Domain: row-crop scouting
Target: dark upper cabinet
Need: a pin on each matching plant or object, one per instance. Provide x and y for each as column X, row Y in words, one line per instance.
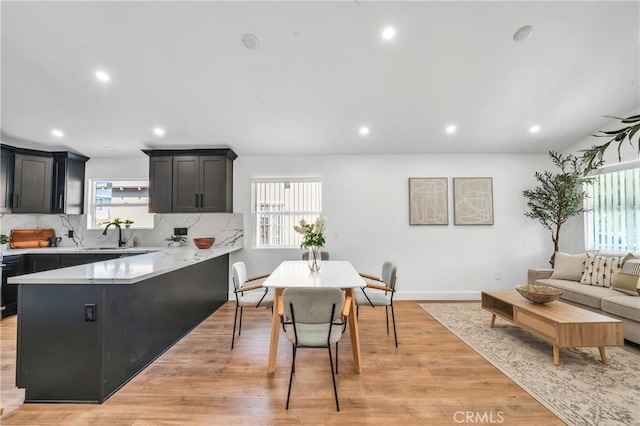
column 161, row 186
column 68, row 183
column 198, row 180
column 6, row 180
column 32, row 183
column 41, row 182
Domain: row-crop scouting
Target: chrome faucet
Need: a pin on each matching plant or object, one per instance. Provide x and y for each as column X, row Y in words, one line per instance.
column 121, row 242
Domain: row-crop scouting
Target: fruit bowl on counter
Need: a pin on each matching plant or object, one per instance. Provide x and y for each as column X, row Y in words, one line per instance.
column 204, row 243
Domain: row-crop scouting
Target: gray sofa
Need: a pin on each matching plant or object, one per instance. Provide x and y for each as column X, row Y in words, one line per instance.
column 604, row 300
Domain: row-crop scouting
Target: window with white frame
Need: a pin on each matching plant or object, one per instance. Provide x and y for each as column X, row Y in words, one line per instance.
column 613, row 220
column 279, row 204
column 126, row 199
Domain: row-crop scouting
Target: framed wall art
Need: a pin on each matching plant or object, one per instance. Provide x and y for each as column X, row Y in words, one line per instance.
column 428, row 199
column 473, row 201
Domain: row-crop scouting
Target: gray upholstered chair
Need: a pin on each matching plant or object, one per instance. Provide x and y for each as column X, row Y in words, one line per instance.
column 314, row 318
column 380, row 293
column 324, row 255
column 248, row 295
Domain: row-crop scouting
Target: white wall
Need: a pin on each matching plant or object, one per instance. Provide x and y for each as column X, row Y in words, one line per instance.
column 366, row 201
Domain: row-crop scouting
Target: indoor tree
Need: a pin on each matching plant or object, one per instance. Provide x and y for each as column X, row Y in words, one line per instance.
column 559, row 196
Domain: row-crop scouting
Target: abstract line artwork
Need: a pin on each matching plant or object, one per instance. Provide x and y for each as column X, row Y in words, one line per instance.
column 428, row 201
column 473, row 201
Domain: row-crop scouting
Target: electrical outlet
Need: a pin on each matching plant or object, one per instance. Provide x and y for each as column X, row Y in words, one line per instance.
column 90, row 312
column 498, row 275
column 70, row 233
column 179, row 231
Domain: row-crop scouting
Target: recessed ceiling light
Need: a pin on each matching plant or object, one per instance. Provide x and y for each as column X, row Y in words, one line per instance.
column 250, row 41
column 451, row 129
column 389, row 33
column 103, row 76
column 364, row 130
column 534, row 129
column 57, row 133
column 523, row 33
column 109, row 148
column 158, row 131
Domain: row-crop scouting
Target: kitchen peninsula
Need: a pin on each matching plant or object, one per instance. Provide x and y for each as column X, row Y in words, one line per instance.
column 85, row 331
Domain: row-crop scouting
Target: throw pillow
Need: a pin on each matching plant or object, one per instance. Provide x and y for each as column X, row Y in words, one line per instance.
column 628, row 279
column 569, row 266
column 598, row 270
column 629, row 256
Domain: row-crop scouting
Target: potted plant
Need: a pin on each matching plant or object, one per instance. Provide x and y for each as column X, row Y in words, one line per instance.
column 559, row 197
column 313, row 239
column 4, row 240
column 176, row 240
column 116, row 221
column 593, row 156
column 128, row 223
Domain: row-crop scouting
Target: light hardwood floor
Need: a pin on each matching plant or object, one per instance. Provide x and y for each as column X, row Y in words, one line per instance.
column 431, row 378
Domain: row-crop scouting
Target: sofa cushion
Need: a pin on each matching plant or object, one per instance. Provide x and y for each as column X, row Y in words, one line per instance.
column 622, row 306
column 627, row 280
column 626, row 283
column 629, row 256
column 598, row 270
column 580, row 293
column 569, row 266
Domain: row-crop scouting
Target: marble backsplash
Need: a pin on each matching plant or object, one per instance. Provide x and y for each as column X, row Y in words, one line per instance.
column 227, row 228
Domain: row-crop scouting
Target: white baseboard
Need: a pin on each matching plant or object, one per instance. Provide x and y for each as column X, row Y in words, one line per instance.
column 437, row 295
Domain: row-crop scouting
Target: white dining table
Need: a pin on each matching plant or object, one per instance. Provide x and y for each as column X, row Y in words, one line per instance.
column 333, row 273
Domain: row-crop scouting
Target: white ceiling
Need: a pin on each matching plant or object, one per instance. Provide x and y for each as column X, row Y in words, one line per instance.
column 320, row 72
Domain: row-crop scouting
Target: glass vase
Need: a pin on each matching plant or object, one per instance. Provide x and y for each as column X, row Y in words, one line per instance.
column 315, row 260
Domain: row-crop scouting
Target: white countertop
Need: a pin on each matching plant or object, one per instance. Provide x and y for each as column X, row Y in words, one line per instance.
column 126, row 270
column 75, row 250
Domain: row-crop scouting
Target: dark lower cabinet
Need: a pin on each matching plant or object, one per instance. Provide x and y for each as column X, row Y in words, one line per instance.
column 67, row 260
column 82, row 342
column 42, row 262
column 12, row 266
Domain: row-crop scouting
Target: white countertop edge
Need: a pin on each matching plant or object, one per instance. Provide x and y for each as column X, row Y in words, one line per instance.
column 127, row 270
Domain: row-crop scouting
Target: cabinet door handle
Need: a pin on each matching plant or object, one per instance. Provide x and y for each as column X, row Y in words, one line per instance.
column 196, row 200
column 201, row 200
column 60, row 201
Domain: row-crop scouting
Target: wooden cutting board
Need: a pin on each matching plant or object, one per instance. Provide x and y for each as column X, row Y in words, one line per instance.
column 30, row 238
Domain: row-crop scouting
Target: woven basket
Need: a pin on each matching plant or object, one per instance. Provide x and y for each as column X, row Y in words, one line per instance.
column 539, row 293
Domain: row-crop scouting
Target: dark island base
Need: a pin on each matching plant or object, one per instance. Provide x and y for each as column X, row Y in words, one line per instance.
column 82, row 342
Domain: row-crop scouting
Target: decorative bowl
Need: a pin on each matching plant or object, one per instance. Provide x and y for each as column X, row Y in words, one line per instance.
column 539, row 293
column 204, row 243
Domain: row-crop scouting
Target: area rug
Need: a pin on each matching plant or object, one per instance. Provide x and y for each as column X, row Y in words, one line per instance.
column 580, row 391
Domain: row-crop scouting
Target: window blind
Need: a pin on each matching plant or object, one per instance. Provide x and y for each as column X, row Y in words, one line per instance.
column 278, row 205
column 613, row 223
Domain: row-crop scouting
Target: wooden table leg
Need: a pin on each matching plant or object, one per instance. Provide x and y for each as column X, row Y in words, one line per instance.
column 353, row 332
column 493, row 320
column 275, row 332
column 603, row 355
column 556, row 355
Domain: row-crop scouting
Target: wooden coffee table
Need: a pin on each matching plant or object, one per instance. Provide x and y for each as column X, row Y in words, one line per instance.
column 558, row 323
